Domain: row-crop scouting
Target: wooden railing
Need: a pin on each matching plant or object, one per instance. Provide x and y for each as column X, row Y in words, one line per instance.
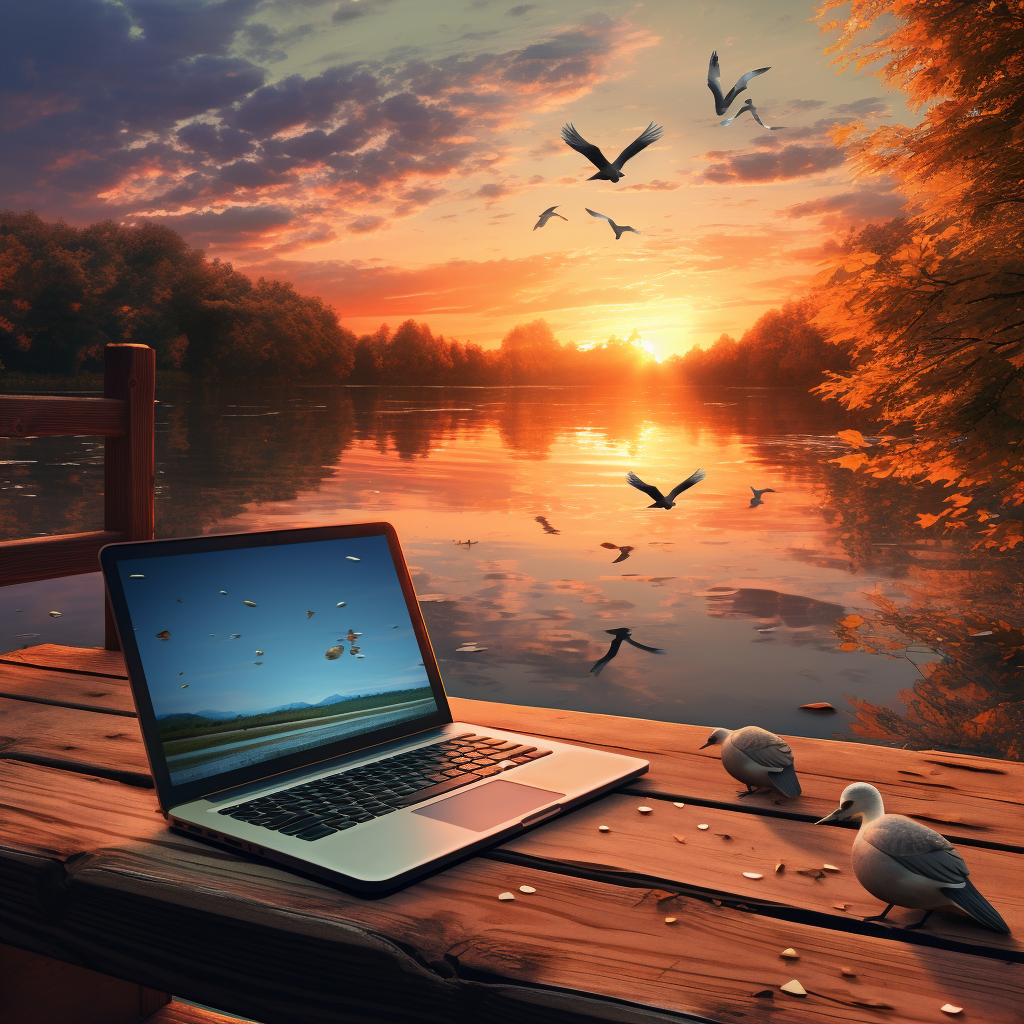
column 125, row 417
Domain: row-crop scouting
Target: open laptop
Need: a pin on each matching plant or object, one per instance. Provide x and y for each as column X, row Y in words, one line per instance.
column 292, row 708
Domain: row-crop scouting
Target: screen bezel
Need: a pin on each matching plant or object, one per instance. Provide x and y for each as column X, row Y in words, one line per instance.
column 171, row 795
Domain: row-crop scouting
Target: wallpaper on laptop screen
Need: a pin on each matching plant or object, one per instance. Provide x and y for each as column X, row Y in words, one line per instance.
column 260, row 652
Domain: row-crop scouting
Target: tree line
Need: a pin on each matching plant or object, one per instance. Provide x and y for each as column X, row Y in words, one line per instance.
column 65, row 292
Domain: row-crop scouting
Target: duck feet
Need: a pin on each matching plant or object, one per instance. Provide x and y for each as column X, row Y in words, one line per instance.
column 920, row 924
column 881, row 916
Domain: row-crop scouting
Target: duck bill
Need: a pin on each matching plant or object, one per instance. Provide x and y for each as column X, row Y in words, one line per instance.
column 710, row 743
column 834, row 816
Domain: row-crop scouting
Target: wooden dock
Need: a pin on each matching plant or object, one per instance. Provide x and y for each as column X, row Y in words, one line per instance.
column 91, row 876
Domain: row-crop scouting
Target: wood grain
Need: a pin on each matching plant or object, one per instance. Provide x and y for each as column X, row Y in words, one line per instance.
column 177, row 1012
column 91, row 693
column 47, row 558
column 972, row 800
column 48, row 415
column 88, row 660
column 181, row 916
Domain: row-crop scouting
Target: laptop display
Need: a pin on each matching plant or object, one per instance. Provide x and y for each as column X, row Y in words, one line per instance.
column 253, row 654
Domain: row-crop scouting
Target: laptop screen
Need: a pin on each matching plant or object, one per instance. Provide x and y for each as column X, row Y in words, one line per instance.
column 256, row 653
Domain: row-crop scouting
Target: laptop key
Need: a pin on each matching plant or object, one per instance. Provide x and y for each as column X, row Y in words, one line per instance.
column 441, row 787
column 317, row 832
column 299, row 825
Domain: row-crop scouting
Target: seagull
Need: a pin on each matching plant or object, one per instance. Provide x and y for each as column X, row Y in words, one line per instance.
column 748, row 105
column 617, row 228
column 758, row 759
column 548, row 528
column 902, row 862
column 610, row 171
column 618, row 636
column 660, row 500
column 722, row 103
column 756, row 499
column 624, row 550
column 547, row 215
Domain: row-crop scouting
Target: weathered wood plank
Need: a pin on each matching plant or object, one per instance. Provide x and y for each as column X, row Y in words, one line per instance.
column 47, row 558
column 50, row 415
column 274, row 945
column 177, row 1012
column 74, row 740
column 73, row 690
column 89, row 660
column 645, row 845
column 974, row 800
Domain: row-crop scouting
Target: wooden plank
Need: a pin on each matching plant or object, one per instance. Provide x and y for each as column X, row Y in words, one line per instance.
column 177, row 1012
column 41, row 990
column 67, row 689
column 971, row 800
column 274, row 945
column 644, row 846
column 47, row 558
column 50, row 416
column 74, row 740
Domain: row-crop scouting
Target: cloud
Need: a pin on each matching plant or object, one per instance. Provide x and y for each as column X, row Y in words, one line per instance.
column 799, row 106
column 867, row 107
column 519, row 10
column 790, row 161
column 856, row 208
column 361, row 225
column 652, row 186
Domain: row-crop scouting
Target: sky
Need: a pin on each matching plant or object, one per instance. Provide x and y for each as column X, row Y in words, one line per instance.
column 393, row 156
column 225, row 655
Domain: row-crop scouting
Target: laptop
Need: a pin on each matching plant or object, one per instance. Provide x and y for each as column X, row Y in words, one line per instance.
column 292, row 708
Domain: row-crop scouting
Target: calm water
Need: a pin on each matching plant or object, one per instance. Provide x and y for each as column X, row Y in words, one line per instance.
column 825, row 592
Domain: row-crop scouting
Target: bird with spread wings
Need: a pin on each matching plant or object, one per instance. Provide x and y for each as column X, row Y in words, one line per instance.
column 618, row 636
column 661, row 500
column 609, row 171
column 546, row 216
column 723, row 102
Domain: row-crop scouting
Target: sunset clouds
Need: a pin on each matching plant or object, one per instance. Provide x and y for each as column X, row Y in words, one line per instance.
column 339, row 134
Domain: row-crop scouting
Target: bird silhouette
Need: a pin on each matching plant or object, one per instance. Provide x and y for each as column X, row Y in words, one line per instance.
column 547, row 215
column 624, row 550
column 548, row 528
column 618, row 635
column 904, row 863
column 757, row 758
column 660, row 500
column 609, row 171
column 722, row 103
column 756, row 499
column 748, row 105
column 617, row 228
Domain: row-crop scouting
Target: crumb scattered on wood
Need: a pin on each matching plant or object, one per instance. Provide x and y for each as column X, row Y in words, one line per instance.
column 752, row 874
column 679, row 839
column 505, row 896
column 847, row 973
column 794, row 988
column 790, row 954
column 950, row 1008
column 780, row 867
column 645, row 809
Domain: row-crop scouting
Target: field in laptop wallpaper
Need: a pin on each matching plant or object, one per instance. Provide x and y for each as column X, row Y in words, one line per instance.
column 681, row 342
column 251, row 654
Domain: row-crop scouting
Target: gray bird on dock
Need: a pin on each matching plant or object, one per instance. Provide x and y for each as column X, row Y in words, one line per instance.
column 904, row 863
column 757, row 758
column 723, row 102
column 610, row 171
column 547, row 215
column 661, row 500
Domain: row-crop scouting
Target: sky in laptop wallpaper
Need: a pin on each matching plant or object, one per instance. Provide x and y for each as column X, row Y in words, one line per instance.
column 255, row 653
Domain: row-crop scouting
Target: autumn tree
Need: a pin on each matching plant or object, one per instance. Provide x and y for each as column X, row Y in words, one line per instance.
column 935, row 321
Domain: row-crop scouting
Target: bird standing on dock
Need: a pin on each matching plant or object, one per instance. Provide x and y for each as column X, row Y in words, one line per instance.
column 904, row 863
column 758, row 759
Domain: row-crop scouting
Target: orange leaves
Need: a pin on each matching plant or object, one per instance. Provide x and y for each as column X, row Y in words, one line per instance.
column 852, row 621
column 854, row 438
column 926, row 519
column 853, row 462
column 959, row 500
column 1005, row 535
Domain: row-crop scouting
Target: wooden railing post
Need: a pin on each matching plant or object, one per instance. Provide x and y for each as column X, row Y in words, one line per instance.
column 129, row 373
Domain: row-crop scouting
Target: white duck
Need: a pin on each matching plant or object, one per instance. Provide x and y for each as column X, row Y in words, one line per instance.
column 758, row 759
column 904, row 863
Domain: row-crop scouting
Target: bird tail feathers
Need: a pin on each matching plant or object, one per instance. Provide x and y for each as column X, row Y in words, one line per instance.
column 786, row 781
column 969, row 899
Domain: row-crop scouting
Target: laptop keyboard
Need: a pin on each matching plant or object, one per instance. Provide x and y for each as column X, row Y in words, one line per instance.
column 317, row 809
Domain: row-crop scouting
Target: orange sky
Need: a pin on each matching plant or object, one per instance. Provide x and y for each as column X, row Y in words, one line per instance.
column 393, row 156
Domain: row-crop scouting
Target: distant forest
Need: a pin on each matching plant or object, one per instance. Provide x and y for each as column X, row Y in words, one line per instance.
column 66, row 292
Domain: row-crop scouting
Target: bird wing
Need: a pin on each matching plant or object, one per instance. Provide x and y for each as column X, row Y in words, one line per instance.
column 753, row 111
column 550, row 210
column 599, row 216
column 918, row 848
column 763, row 747
column 632, row 478
column 650, row 134
column 714, row 74
column 626, row 228
column 741, row 84
column 574, row 140
column 752, row 488
column 613, row 649
column 729, row 120
column 643, row 647
column 540, row 223
column 610, row 545
column 694, row 478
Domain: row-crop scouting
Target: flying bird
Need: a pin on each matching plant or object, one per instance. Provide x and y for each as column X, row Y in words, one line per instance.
column 904, row 863
column 757, row 758
column 617, row 228
column 548, row 528
column 660, row 500
column 624, row 550
column 610, row 171
column 722, row 103
column 756, row 499
column 748, row 105
column 547, row 215
column 618, row 635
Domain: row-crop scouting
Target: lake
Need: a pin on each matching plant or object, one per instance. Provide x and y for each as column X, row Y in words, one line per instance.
column 514, row 512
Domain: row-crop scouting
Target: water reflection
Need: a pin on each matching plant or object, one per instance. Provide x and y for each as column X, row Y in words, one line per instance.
column 511, row 504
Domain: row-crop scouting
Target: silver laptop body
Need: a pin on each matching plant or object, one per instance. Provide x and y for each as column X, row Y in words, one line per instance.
column 341, row 761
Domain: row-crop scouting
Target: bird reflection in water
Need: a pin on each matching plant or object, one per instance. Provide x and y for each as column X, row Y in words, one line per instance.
column 756, row 499
column 548, row 528
column 623, row 633
column 623, row 550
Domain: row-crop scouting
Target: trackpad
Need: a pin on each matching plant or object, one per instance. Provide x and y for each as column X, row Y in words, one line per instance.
column 486, row 806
